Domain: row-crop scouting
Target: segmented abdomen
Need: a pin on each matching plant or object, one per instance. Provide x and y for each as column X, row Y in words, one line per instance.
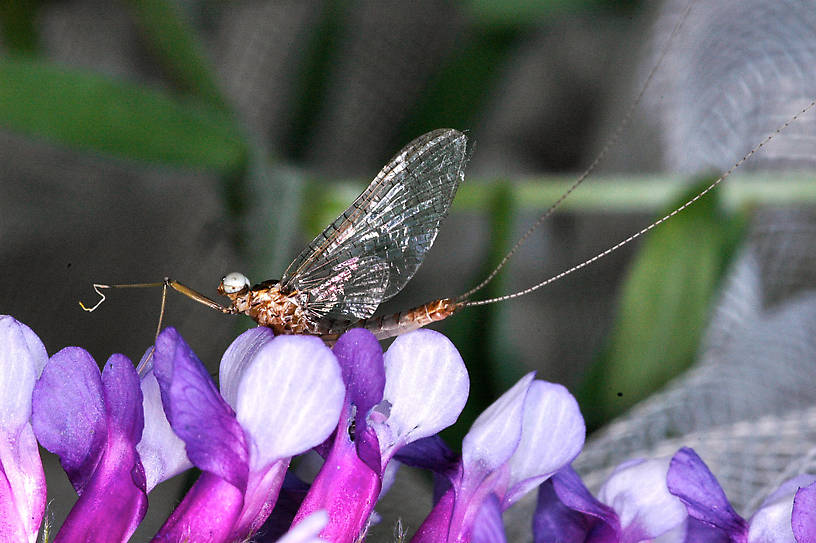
column 387, row 326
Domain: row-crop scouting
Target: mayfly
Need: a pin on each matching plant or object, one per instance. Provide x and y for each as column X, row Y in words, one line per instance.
column 366, row 256
column 371, row 251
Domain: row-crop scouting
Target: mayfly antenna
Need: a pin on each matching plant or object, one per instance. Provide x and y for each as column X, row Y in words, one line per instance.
column 659, row 221
column 611, row 142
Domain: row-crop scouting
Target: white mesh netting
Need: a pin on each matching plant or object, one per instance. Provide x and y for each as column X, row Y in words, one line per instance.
column 738, row 70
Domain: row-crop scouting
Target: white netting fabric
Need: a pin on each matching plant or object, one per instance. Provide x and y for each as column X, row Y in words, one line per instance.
column 738, row 70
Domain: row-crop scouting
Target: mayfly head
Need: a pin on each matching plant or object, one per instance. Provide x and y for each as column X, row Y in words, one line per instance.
column 233, row 283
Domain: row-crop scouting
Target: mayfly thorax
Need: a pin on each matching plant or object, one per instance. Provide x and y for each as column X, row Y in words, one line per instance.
column 371, row 251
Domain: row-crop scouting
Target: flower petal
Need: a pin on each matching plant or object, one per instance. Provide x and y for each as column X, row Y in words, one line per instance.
column 488, row 527
column 772, row 521
column 554, row 521
column 803, row 518
column 22, row 482
column 308, row 530
column 289, row 398
column 426, row 387
column 347, row 488
column 486, row 449
column 291, row 496
column 690, row 480
column 496, row 433
column 436, row 526
column 214, row 440
column 114, row 501
column 697, row 531
column 569, row 513
column 552, row 435
column 361, row 360
column 637, row 492
column 22, row 358
column 207, row 513
column 162, row 452
column 237, row 359
column 301, row 412
column 349, row 482
column 123, row 398
column 68, row 413
column 259, row 499
column 428, row 453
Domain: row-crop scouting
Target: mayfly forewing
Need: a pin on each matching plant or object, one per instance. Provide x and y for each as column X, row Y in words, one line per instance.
column 375, row 246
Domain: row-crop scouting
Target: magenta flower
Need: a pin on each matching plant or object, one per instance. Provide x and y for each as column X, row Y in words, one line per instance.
column 417, row 389
column 93, row 422
column 527, row 435
column 281, row 397
column 22, row 482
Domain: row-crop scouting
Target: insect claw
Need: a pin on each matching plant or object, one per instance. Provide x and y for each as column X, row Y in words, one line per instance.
column 96, row 288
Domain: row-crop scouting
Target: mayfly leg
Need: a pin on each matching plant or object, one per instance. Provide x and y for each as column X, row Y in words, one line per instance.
column 167, row 282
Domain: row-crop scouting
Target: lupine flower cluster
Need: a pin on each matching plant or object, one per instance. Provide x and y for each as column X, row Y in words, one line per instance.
column 120, row 432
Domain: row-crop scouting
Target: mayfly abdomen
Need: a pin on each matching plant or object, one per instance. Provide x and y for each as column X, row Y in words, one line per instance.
column 387, row 326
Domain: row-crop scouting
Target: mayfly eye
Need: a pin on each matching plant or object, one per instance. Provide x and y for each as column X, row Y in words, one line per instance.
column 234, row 282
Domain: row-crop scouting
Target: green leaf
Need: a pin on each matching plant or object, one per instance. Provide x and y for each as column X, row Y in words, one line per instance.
column 312, row 81
column 92, row 112
column 463, row 85
column 18, row 24
column 177, row 48
column 663, row 307
column 531, row 12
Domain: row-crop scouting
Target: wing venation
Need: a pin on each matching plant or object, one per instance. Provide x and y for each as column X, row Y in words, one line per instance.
column 389, row 227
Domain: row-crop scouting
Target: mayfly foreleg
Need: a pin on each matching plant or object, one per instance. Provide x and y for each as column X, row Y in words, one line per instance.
column 167, row 282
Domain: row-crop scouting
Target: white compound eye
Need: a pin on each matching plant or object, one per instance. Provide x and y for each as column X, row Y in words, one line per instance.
column 234, row 282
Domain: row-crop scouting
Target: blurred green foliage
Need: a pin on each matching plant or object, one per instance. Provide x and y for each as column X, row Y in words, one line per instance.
column 529, row 12
column 663, row 306
column 95, row 113
column 18, row 26
column 177, row 49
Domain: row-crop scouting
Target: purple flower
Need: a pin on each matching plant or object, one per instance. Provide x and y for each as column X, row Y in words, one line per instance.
column 93, row 422
column 675, row 499
column 785, row 516
column 634, row 504
column 22, row 482
column 281, row 397
column 567, row 512
column 418, row 388
column 522, row 439
column 162, row 452
column 803, row 515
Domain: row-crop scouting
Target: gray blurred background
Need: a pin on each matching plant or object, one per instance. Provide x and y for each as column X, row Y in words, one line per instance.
column 321, row 94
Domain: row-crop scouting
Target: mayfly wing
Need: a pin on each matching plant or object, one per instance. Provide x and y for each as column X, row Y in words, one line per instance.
column 375, row 246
